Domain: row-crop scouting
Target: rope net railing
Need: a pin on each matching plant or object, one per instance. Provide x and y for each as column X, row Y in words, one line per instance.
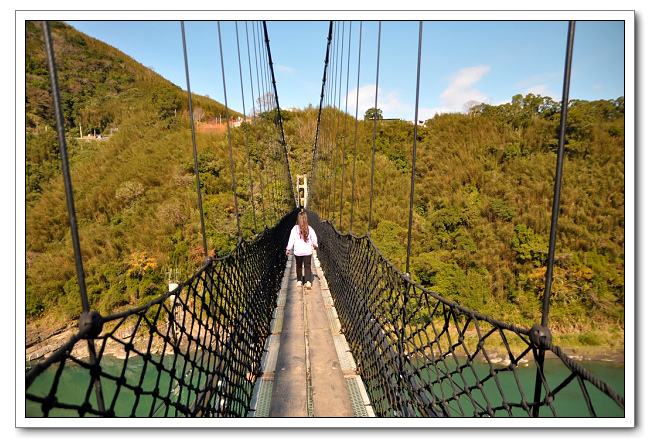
column 195, row 351
column 420, row 355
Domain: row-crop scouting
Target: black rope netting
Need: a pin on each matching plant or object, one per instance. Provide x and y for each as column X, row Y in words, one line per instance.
column 195, row 351
column 421, row 355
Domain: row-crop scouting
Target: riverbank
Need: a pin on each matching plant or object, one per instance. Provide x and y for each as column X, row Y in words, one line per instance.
column 44, row 338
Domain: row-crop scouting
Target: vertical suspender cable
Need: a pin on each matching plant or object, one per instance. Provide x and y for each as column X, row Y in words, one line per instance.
column 277, row 105
column 332, row 140
column 72, row 216
column 261, row 88
column 320, row 109
column 54, row 82
column 250, row 73
column 374, row 134
column 248, row 152
column 232, row 163
column 556, row 208
column 415, row 140
column 259, row 63
column 333, row 129
column 338, row 118
column 196, row 161
column 558, row 174
column 258, row 138
column 345, row 124
column 356, row 127
column 270, row 167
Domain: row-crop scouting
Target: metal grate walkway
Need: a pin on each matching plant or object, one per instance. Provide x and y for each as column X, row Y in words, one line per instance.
column 307, row 367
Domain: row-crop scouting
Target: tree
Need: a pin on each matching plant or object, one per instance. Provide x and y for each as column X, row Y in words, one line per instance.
column 372, row 114
column 166, row 100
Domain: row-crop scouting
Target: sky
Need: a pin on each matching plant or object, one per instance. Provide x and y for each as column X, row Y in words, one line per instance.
column 485, row 57
column 460, row 62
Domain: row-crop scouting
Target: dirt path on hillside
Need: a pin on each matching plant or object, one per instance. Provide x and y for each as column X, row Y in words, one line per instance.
column 211, row 128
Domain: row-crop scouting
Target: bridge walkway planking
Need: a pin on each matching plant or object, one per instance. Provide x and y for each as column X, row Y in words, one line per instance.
column 307, row 367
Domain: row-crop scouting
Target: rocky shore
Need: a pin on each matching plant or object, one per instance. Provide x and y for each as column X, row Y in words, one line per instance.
column 41, row 342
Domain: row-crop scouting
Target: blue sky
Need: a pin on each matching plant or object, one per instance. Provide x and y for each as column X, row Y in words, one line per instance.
column 485, row 57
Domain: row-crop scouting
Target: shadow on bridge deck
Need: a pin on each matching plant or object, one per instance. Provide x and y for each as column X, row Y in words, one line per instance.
column 307, row 368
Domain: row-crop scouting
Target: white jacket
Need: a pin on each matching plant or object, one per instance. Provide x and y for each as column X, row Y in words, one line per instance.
column 300, row 246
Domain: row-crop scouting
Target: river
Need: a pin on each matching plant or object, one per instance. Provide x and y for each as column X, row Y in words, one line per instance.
column 73, row 385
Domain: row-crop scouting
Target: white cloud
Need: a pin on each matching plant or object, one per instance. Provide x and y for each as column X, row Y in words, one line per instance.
column 537, row 85
column 534, row 80
column 424, row 113
column 460, row 90
column 542, row 90
column 389, row 103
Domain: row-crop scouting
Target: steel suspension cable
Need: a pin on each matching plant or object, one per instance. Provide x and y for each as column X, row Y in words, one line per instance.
column 320, row 108
column 558, row 174
column 356, row 128
column 87, row 320
column 248, row 152
column 345, row 125
column 271, row 149
column 332, row 133
column 272, row 146
column 196, row 160
column 332, row 136
column 338, row 117
column 277, row 104
column 415, row 140
column 263, row 106
column 374, row 134
column 545, row 333
column 232, row 163
column 257, row 150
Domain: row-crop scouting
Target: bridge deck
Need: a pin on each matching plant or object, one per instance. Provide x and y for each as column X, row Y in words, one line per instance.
column 307, row 368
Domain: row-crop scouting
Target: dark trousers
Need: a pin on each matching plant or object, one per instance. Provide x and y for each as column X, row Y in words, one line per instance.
column 306, row 260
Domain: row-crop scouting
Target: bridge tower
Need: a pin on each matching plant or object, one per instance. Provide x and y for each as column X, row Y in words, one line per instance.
column 301, row 186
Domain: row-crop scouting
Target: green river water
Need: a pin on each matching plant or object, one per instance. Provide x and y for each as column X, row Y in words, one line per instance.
column 74, row 381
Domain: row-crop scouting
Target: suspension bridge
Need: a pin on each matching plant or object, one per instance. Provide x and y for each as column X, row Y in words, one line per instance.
column 241, row 339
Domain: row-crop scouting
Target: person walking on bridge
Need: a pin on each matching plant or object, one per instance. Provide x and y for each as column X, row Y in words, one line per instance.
column 302, row 240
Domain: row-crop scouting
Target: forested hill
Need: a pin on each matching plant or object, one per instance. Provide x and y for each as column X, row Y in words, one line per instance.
column 135, row 192
column 483, row 194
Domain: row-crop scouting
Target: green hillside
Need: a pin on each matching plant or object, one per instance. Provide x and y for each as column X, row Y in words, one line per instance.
column 482, row 208
column 135, row 191
column 483, row 194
